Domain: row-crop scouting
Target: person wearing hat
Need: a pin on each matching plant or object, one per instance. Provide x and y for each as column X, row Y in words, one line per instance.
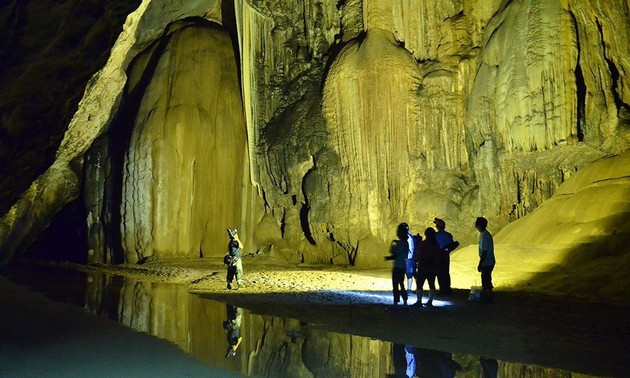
column 233, row 260
column 444, row 239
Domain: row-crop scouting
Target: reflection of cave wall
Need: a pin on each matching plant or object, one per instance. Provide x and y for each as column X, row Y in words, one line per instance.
column 274, row 346
column 177, row 150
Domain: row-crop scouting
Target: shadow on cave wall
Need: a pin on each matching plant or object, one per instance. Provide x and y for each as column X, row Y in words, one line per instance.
column 598, row 268
column 65, row 239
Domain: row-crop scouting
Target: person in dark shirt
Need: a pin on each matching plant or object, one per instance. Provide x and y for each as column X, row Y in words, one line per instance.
column 444, row 239
column 398, row 252
column 428, row 259
column 233, row 260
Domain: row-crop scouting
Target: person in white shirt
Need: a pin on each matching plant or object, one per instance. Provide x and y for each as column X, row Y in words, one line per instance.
column 486, row 258
column 410, row 270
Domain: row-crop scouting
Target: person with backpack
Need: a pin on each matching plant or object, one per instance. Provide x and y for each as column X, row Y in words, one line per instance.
column 233, row 260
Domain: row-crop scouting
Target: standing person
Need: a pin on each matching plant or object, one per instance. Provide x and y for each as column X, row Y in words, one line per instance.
column 428, row 259
column 233, row 259
column 486, row 258
column 410, row 262
column 444, row 239
column 398, row 252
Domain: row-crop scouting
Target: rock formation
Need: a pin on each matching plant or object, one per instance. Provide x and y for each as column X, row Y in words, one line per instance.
column 358, row 115
column 179, row 182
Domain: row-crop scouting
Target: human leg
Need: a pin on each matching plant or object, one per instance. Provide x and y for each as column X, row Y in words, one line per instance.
column 410, row 272
column 446, row 289
column 420, row 278
column 486, row 282
column 239, row 272
column 399, row 285
column 431, row 281
column 231, row 272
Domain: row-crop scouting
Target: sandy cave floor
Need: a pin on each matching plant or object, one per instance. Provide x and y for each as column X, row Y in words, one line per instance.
column 576, row 334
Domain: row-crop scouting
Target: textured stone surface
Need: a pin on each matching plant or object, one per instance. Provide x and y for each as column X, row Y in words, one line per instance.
column 580, row 232
column 184, row 168
column 95, row 111
column 362, row 114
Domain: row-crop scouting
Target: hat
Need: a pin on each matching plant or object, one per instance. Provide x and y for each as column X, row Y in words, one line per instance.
column 439, row 222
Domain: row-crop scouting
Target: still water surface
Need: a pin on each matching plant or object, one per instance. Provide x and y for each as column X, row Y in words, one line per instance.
column 237, row 340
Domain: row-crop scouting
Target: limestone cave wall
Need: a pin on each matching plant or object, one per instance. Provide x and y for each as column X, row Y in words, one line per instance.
column 355, row 116
column 175, row 161
column 430, row 109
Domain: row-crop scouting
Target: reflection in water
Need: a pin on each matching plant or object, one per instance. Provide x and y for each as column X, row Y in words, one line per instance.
column 489, row 366
column 421, row 362
column 258, row 345
column 232, row 327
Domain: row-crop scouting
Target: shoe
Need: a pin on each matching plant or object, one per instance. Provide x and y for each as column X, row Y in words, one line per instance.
column 229, row 286
column 427, row 304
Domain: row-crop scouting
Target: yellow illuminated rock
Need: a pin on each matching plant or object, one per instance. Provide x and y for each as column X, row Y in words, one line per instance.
column 575, row 242
column 355, row 116
column 183, row 173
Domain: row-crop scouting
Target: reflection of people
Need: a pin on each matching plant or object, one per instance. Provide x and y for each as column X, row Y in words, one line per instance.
column 411, row 361
column 489, row 367
column 233, row 259
column 428, row 258
column 434, row 363
column 486, row 258
column 444, row 238
column 232, row 327
column 398, row 252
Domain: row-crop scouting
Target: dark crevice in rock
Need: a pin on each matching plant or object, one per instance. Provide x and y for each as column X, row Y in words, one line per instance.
column 228, row 19
column 333, row 54
column 581, row 102
column 580, row 86
column 65, row 239
column 304, row 221
column 283, row 223
column 612, row 68
column 96, row 192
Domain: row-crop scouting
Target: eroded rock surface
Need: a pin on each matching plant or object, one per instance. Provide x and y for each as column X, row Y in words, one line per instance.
column 359, row 115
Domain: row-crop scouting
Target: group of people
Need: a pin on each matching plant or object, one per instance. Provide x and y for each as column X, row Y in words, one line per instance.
column 429, row 258
column 414, row 257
